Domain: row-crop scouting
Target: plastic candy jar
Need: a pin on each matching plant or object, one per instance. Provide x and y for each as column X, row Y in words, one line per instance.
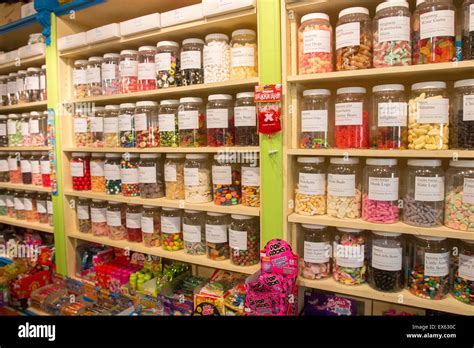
column 191, row 123
column 20, row 86
column 110, row 74
column 128, row 71
column 3, row 131
column 19, row 205
column 344, row 188
column 79, row 78
column 226, row 181
column 43, row 92
column 25, row 165
column 151, row 225
column 245, row 120
column 168, row 123
column 99, row 218
column 315, row 37
column 434, row 37
column 4, row 169
column 3, row 203
column 32, row 85
column 217, row 240
column 116, row 221
column 81, row 125
column 126, row 125
column 111, row 126
column 315, row 119
column 174, row 176
column 194, row 223
column 250, row 180
column 151, row 176
column 3, row 90
column 145, row 121
column 315, row 252
column 83, row 215
column 428, row 117
column 392, row 40
column 468, row 30
column 97, row 173
column 31, row 211
column 80, row 171
column 45, row 168
column 94, row 78
column 167, row 60
column 42, row 208
column 459, row 200
column 12, row 91
column 38, row 129
column 350, row 261
column 25, row 129
column 129, row 175
column 14, row 168
column 462, row 131
column 49, row 208
column 352, row 118
column 134, row 218
column 353, row 39
column 463, row 274
column 192, row 72
column 113, row 181
column 220, row 120
column 243, row 54
column 14, row 130
column 36, row 178
column 244, row 240
column 390, row 113
column 10, row 203
column 146, row 68
column 197, row 179
column 423, row 203
column 429, row 267
column 310, row 193
column 171, row 230
column 216, row 58
column 97, row 126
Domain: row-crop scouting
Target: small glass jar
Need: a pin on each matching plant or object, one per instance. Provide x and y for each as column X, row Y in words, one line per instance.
column 49, row 208
column 113, row 181
column 344, row 188
column 36, row 178
column 315, row 53
column 126, row 125
column 82, row 128
column 128, row 67
column 134, row 220
column 392, row 37
column 25, row 129
column 146, row 68
column 428, row 274
column 110, row 74
column 19, row 205
column 243, row 54
column 25, row 165
column 171, row 229
column 3, row 203
column 12, row 91
column 194, row 224
column 99, row 218
column 10, row 203
column 14, row 168
column 83, row 210
column 174, row 176
column 79, row 78
column 467, row 30
column 3, row 90
column 145, row 121
column 226, row 181
column 29, row 203
column 111, row 126
column 32, row 84
column 197, row 179
column 97, row 126
column 151, row 176
column 315, row 251
column 350, row 261
column 459, row 200
column 38, row 125
column 245, row 120
column 314, row 132
column 216, row 57
column 380, row 191
column 250, row 180
column 151, row 226
column 80, row 171
column 97, row 173
column 116, row 221
column 192, row 72
column 463, row 274
column 462, row 117
column 352, row 119
column 353, row 39
column 14, row 130
column 20, row 87
column 42, row 208
column 3, row 131
column 168, row 123
column 191, row 123
column 45, row 168
column 217, row 239
column 4, row 168
column 43, row 91
column 220, row 120
column 310, row 193
column 167, row 60
column 244, row 240
column 129, row 175
column 386, row 271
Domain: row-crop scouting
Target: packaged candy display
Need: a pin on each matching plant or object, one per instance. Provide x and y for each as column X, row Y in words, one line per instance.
column 93, row 76
column 171, row 229
column 4, row 168
column 113, row 181
column 126, row 125
column 463, row 276
column 83, row 215
column 25, row 129
column 43, row 92
column 174, row 176
column 129, row 175
column 310, row 193
column 351, row 118
column 151, row 176
column 167, row 64
column 220, row 120
column 79, row 78
column 99, row 218
column 216, row 57
column 3, row 90
column 80, row 171
column 353, row 39
column 462, row 117
column 194, row 224
column 3, row 131
column 192, row 72
column 197, row 179
column 128, row 67
column 110, row 74
column 191, row 123
column 82, row 128
column 243, row 54
column 146, row 68
column 315, row 252
column 38, row 129
column 116, row 221
column 10, row 203
column 134, row 220
column 226, row 181
column 36, row 178
column 32, row 84
column 217, row 239
column 318, row 304
column 145, row 121
column 20, row 86
column 467, row 30
column 344, row 188
column 14, row 130
column 12, row 91
column 315, row 119
column 97, row 126
column 381, row 191
column 244, row 240
column 250, row 180
column 459, row 200
column 14, row 168
column 428, row 117
column 18, row 205
column 97, row 173
column 245, row 120
column 29, row 202
column 434, row 37
column 429, row 268
column 350, row 263
column 25, row 165
column 49, row 208
column 42, row 208
column 151, row 226
column 45, row 168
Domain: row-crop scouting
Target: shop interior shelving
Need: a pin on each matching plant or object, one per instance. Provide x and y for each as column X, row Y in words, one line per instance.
column 294, row 84
column 24, row 187
column 23, row 148
column 34, row 106
column 25, row 224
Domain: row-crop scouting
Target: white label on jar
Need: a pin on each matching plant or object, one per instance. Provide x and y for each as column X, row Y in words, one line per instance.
column 429, row 189
column 238, row 239
column 348, row 35
column 77, row 169
column 432, row 111
column 20, row 85
column 147, row 175
column 10, row 201
column 110, row 124
column 148, row 224
column 436, row 264
column 35, row 167
column 134, row 220
column 140, row 122
column 79, row 77
column 315, row 41
column 394, row 29
column 163, row 61
column 12, row 164
column 468, row 107
column 83, row 212
column 437, row 23
column 245, row 116
column 4, row 167
column 349, row 255
column 190, row 60
column 222, row 175
column 217, row 118
column 3, row 200
column 11, row 125
column 25, row 166
column 188, row 119
column 34, row 126
column 80, row 125
column 466, row 267
column 125, row 122
column 129, row 68
column 216, row 233
column 32, row 83
column 18, row 203
column 42, row 82
column 191, row 176
column 11, row 87
column 112, row 171
column 242, row 56
column 392, row 114
column 383, row 189
column 468, row 191
column 108, row 71
column 93, row 75
column 251, row 176
column 471, row 17
column 98, row 215
column 129, row 175
column 114, row 218
column 166, row 123
column 97, row 124
column 45, row 167
column 49, row 207
column 170, row 224
column 97, row 168
column 28, row 204
column 3, row 89
column 41, row 207
column 213, row 55
column 348, row 114
column 146, row 71
column 387, row 259
column 3, row 129
column 170, row 172
column 314, row 121
column 341, row 185
column 317, row 252
column 192, row 233
column 312, row 184
column 25, row 128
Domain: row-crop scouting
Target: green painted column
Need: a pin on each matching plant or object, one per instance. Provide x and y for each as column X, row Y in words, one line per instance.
column 271, row 148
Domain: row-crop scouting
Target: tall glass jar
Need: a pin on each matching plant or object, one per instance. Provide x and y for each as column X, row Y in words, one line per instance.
column 3, row 90
column 25, row 129
column 168, row 123
column 3, row 203
column 36, row 178
column 113, row 181
column 12, row 91
column 3, row 131
column 32, row 84
column 174, row 176
column 45, row 168
column 194, row 224
column 250, row 180
column 146, row 68
column 126, row 125
column 43, row 95
column 151, row 226
column 83, row 215
column 110, row 74
column 191, row 123
column 94, row 78
column 310, row 193
column 128, row 67
column 459, row 200
column 49, row 208
column 20, row 86
column 171, row 229
column 192, row 72
column 82, row 127
column 197, row 179
column 315, row 252
column 99, row 218
column 111, row 126
column 380, row 189
column 134, row 220
column 97, row 126
column 10, row 203
column 244, row 240
column 243, row 54
column 167, row 66
column 467, row 29
column 217, row 239
column 29, row 202
column 145, row 120
column 129, row 175
column 14, row 168
column 353, row 39
column 226, row 181
column 4, row 168
column 216, row 58
column 79, row 78
column 350, row 259
column 314, row 132
column 463, row 274
column 80, row 171
column 14, row 130
column 38, row 125
column 42, row 208
column 116, row 221
column 97, row 173
column 220, row 120
column 25, row 164
column 151, row 176
column 19, row 205
column 462, row 117
column 245, row 120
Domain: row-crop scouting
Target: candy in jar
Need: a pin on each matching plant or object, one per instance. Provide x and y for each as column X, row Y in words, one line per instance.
column 49, row 208
column 97, row 173
column 197, row 179
column 110, row 74
column 145, row 121
column 15, row 138
column 310, row 193
column 146, row 68
column 99, row 218
column 468, row 30
column 168, row 123
column 126, row 125
column 42, row 208
column 194, row 224
column 129, row 175
column 32, row 84
column 192, row 72
column 243, row 54
column 20, row 86
column 350, row 262
column 128, row 71
column 3, row 90
column 25, row 129
column 12, row 91
column 217, row 240
column 116, row 221
column 250, row 180
column 244, row 240
column 82, row 128
column 83, row 215
column 29, row 203
column 216, row 58
column 25, row 164
column 18, row 205
column 3, row 203
column 171, row 229
column 174, row 176
column 14, row 168
column 134, row 218
column 38, row 129
column 111, row 126
column 151, row 224
column 463, row 284
column 79, row 78
column 94, row 79
column 42, row 83
column 4, row 169
column 226, row 181
column 167, row 64
column 10, row 203
column 3, row 130
column 36, row 178
column 245, row 120
column 151, row 176
column 314, row 123
column 80, row 171
column 220, row 120
column 462, row 118
column 45, row 168
column 113, row 181
column 315, row 252
column 191, row 123
column 97, row 126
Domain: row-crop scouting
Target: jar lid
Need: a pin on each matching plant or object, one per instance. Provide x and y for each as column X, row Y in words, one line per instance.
column 34, row 69
column 429, row 84
column 347, row 90
column 95, row 59
column 111, row 55
column 98, row 108
column 243, row 32
column 424, row 163
column 127, row 105
column 245, row 95
column 146, row 48
column 114, row 203
column 43, row 66
column 215, row 214
column 193, row 40
column 310, row 159
column 44, row 153
column 221, row 157
column 13, row 116
column 130, row 155
column 167, row 43
column 350, row 230
column 342, row 160
column 3, row 117
column 25, row 115
column 46, row 112
column 217, row 36
column 3, row 76
column 389, row 87
column 35, row 113
column 190, row 100
column 219, row 97
column 316, row 15
column 169, row 102
column 392, row 3
column 112, row 107
column 437, row 239
column 419, row 2
column 113, row 155
column 353, row 10
column 80, row 61
column 467, row 241
column 175, row 155
column 124, row 52
column 313, row 227
column 149, row 207
column 241, row 217
column 308, row 92
column 464, row 83
column 146, row 103
column 387, row 234
column 169, row 209
column 150, row 155
column 196, row 156
column 79, row 154
column 381, row 161
column 464, row 163
column 97, row 155
column 98, row 200
column 192, row 211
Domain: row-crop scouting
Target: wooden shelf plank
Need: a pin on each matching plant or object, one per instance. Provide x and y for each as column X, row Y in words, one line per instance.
column 24, row 148
column 23, row 223
column 8, row 185
column 241, row 149
column 22, row 63
column 35, row 106
column 383, row 153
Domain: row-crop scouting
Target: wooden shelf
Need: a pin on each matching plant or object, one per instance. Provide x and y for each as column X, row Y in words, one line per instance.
column 243, row 149
column 383, row 153
column 41, row 106
column 201, row 260
column 23, row 223
column 22, row 63
column 8, row 185
column 448, row 304
column 24, row 148
column 167, row 203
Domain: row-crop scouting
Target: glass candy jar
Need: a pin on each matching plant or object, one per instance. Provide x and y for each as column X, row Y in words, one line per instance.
column 315, row 252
